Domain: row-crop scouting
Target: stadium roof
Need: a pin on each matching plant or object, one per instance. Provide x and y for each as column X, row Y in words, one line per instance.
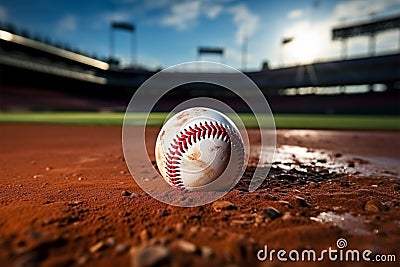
column 365, row 28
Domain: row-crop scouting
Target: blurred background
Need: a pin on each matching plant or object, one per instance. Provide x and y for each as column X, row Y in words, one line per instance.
column 307, row 56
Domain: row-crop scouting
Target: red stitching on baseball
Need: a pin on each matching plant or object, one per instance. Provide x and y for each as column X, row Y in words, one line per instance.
column 180, row 145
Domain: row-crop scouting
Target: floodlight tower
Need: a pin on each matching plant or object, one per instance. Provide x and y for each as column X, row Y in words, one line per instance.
column 129, row 27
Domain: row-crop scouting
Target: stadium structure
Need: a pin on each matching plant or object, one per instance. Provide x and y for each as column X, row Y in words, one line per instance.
column 37, row 74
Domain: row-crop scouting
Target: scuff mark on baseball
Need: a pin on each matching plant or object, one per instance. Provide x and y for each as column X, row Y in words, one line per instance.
column 199, row 149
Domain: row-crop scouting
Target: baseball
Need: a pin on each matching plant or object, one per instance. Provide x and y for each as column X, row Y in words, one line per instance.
column 199, row 148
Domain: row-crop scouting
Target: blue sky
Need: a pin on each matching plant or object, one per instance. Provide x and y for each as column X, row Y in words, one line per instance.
column 169, row 31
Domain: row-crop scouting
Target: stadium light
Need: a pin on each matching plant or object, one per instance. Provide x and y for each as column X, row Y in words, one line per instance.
column 367, row 28
column 14, row 38
column 115, row 25
column 6, row 35
column 210, row 50
column 284, row 42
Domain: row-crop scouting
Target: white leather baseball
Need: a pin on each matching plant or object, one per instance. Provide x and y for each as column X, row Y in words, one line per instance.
column 199, row 148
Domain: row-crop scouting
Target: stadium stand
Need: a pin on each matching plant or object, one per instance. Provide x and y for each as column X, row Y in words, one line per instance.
column 36, row 72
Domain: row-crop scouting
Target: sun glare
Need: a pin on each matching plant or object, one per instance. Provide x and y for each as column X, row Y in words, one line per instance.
column 305, row 47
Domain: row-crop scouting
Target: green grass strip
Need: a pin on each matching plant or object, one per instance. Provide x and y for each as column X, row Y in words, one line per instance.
column 289, row 121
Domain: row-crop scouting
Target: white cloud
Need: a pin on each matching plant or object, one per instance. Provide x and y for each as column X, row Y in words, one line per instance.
column 212, row 11
column 182, row 15
column 67, row 24
column 245, row 20
column 148, row 5
column 3, row 13
column 295, row 14
column 179, row 14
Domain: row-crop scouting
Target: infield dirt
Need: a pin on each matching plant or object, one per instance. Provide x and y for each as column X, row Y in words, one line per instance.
column 68, row 199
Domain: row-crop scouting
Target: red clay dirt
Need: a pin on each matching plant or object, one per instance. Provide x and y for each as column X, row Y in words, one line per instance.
column 67, row 199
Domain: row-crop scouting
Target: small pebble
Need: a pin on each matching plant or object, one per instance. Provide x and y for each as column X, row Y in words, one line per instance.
column 312, row 184
column 163, row 212
column 80, row 178
column 150, row 256
column 271, row 213
column 286, row 177
column 97, row 247
column 302, row 202
column 144, row 235
column 126, row 193
column 185, row 246
column 37, row 176
column 124, row 213
column 121, row 248
column 179, row 227
column 206, row 252
column 34, row 234
column 287, row 216
column 110, row 242
column 285, row 203
column 221, row 205
column 82, row 260
column 345, row 184
column 374, row 205
column 258, row 219
column 75, row 203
